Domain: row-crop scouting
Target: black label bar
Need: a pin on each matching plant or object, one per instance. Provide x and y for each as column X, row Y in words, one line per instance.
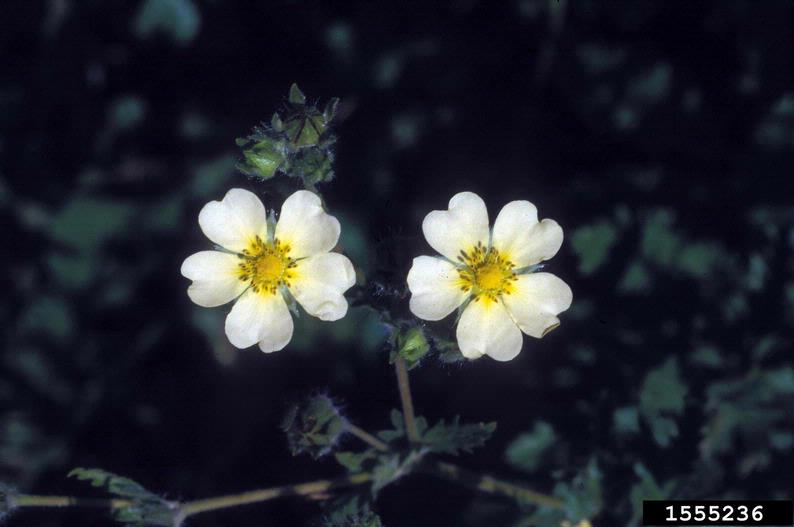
column 717, row 512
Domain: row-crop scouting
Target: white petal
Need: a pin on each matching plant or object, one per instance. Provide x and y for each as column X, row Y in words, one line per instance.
column 535, row 301
column 214, row 276
column 320, row 282
column 458, row 229
column 234, row 222
column 305, row 226
column 262, row 318
column 435, row 292
column 518, row 235
column 485, row 328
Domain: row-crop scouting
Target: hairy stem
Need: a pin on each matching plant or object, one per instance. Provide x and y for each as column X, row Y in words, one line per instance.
column 405, row 397
column 184, row 510
column 368, row 438
column 33, row 500
column 448, row 471
column 255, row 496
column 488, row 484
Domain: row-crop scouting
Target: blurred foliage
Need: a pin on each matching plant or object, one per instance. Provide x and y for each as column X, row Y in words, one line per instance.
column 581, row 497
column 661, row 400
column 179, row 19
column 526, row 452
column 661, row 139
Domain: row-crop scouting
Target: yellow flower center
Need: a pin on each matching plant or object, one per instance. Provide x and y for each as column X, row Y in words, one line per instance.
column 486, row 273
column 266, row 266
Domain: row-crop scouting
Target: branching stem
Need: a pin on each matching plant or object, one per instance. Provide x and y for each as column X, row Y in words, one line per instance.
column 441, row 469
column 466, row 477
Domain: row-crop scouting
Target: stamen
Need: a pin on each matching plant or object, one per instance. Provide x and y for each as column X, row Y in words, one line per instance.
column 266, row 266
column 486, row 273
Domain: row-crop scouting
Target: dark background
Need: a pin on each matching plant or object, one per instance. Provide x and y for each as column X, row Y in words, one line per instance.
column 660, row 135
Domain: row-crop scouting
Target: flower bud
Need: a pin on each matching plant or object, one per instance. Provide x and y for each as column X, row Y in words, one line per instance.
column 411, row 344
column 262, row 159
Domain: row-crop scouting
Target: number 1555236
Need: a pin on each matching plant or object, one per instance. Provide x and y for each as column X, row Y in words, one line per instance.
column 778, row 512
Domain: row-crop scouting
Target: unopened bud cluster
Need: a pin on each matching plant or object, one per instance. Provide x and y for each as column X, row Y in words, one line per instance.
column 297, row 142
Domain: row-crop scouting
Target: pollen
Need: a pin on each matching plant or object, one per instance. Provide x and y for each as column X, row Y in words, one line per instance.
column 266, row 266
column 485, row 273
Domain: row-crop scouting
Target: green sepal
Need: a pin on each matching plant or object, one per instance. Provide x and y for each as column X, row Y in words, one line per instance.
column 276, row 123
column 330, row 110
column 262, row 159
column 305, row 129
column 296, row 96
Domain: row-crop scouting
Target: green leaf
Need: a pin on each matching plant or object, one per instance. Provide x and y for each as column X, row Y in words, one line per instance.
column 386, row 471
column 442, row 438
column 351, row 511
column 454, row 437
column 118, row 485
column 147, row 508
column 526, row 452
column 354, row 461
column 662, row 398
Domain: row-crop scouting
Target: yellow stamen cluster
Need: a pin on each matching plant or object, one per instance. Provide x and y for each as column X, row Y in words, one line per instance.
column 266, row 266
column 486, row 273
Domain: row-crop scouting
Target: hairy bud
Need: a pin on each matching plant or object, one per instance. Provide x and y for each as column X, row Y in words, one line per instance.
column 314, row 427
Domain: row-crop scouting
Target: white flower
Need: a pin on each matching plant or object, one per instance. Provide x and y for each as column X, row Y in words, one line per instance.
column 256, row 268
column 490, row 272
